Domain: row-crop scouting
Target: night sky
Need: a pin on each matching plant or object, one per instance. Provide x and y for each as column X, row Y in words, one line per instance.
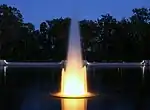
column 36, row 11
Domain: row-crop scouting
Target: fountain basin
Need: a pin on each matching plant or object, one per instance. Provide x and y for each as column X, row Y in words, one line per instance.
column 61, row 95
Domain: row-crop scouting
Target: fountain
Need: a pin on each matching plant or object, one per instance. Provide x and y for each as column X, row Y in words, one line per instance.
column 74, row 76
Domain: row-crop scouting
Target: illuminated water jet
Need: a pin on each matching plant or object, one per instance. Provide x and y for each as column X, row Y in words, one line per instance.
column 74, row 85
column 74, row 77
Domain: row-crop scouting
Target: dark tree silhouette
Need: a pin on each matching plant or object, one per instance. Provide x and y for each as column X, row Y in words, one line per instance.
column 105, row 39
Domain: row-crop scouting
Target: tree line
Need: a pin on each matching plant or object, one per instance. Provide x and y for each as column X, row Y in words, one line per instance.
column 103, row 39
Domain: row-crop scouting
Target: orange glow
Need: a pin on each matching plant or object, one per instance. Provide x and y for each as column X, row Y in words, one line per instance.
column 74, row 79
column 74, row 83
column 74, row 104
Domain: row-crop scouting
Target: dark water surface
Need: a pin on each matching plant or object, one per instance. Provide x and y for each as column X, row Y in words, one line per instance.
column 29, row 89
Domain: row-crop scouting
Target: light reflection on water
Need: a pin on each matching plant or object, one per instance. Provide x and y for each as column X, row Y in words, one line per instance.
column 28, row 89
column 74, row 104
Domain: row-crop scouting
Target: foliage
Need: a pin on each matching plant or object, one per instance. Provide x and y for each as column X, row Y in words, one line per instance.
column 105, row 39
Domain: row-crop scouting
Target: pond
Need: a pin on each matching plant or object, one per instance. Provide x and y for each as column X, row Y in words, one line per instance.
column 118, row 89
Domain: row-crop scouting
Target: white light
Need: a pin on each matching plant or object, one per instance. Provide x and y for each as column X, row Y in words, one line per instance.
column 5, row 62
